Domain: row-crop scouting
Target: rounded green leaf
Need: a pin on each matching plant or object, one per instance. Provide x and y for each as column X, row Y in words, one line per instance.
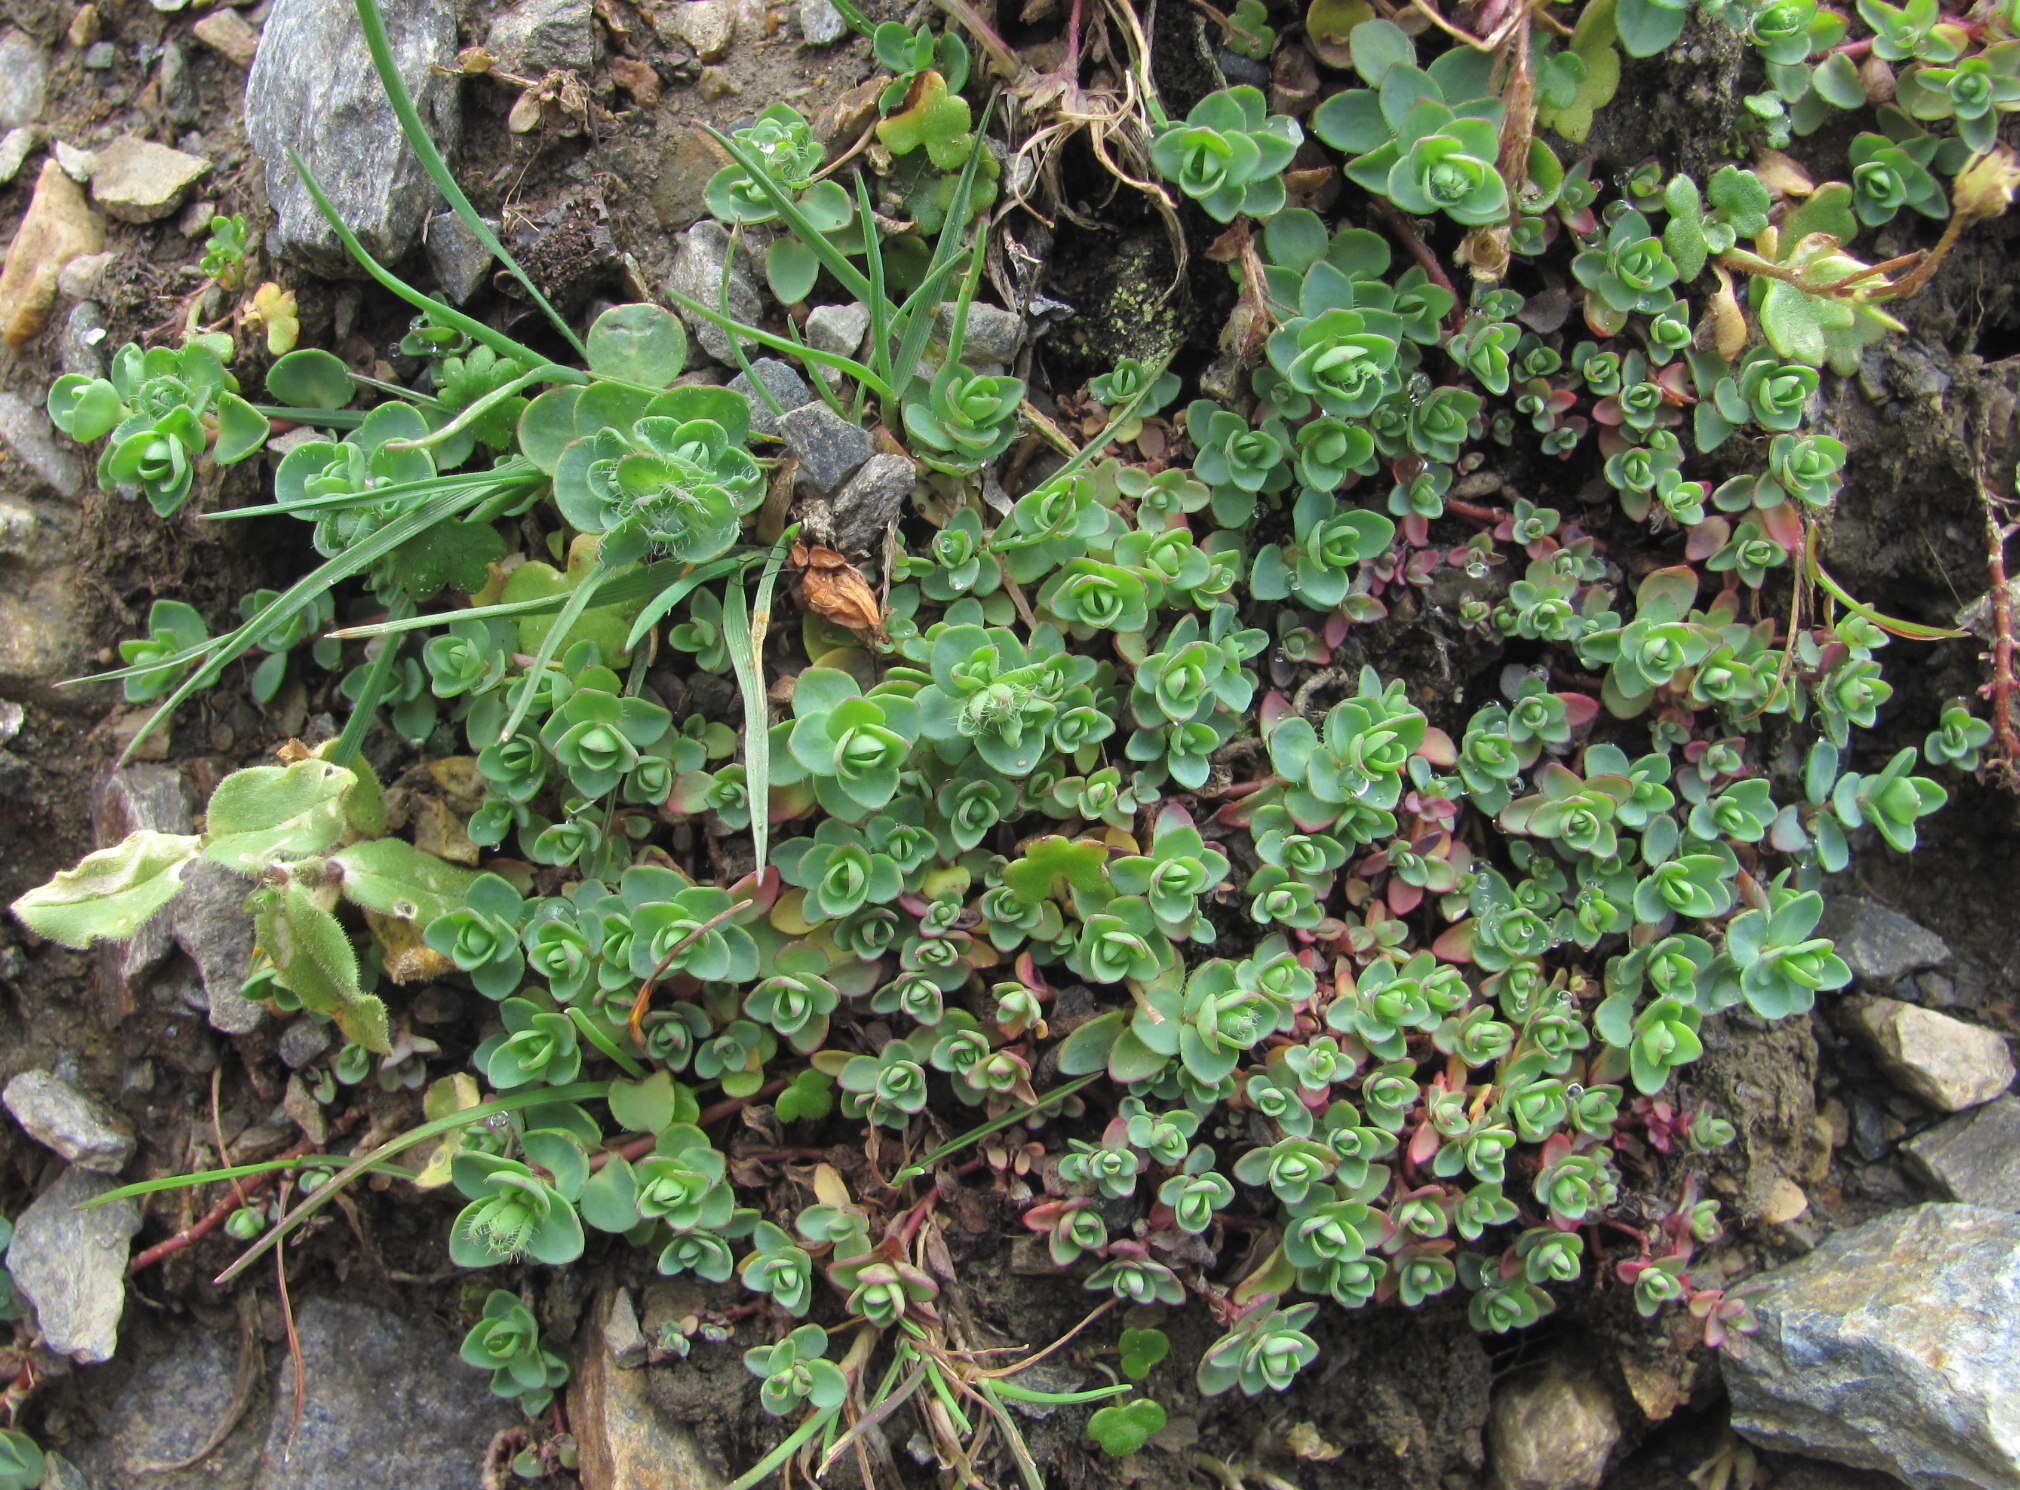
column 638, row 344
column 311, row 379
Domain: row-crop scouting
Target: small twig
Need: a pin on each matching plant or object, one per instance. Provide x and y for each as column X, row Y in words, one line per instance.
column 288, row 1320
column 215, row 1217
column 644, row 998
column 217, row 1126
column 2000, row 687
column 1426, row 260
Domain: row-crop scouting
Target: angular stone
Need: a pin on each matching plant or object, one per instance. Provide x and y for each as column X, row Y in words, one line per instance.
column 1877, row 944
column 83, row 347
column 77, row 162
column 18, row 527
column 1892, row 1347
column 140, row 797
column 228, row 32
column 82, row 277
column 359, row 1360
column 14, row 148
column 1551, row 1429
column 709, row 26
column 623, row 1340
column 537, row 36
column 838, row 328
column 210, row 922
column 697, row 273
column 457, row 255
column 59, row 226
column 991, row 334
column 73, row 1123
column 820, row 23
column 313, row 90
column 784, row 384
column 302, row 1041
column 33, row 441
column 627, row 1443
column 137, row 180
column 1942, row 1061
column 854, row 519
column 830, row 448
column 71, row 1264
column 24, row 79
column 1974, row 1157
column 178, row 88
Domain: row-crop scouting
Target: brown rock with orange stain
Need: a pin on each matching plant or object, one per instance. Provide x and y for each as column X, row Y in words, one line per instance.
column 626, row 1441
column 835, row 590
column 60, row 226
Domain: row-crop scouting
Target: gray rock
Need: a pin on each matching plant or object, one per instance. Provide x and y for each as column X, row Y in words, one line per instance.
column 992, row 333
column 697, row 273
column 312, row 89
column 74, row 1123
column 853, row 520
column 1551, row 1429
column 82, row 277
column 24, row 79
column 83, row 345
column 166, row 1395
column 1877, row 944
column 178, row 87
column 830, row 448
column 838, row 328
column 18, row 529
column 709, row 26
column 784, row 383
column 100, row 55
column 303, row 1041
column 136, row 797
column 71, row 1264
column 58, row 1473
column 820, row 23
column 457, row 255
column 14, row 148
column 136, row 180
column 536, row 36
column 1892, row 1347
column 32, row 440
column 358, row 1360
column 77, row 162
column 212, row 925
column 1973, row 1158
column 623, row 1340
column 1942, row 1061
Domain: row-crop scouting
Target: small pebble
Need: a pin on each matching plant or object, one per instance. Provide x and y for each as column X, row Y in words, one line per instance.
column 100, row 56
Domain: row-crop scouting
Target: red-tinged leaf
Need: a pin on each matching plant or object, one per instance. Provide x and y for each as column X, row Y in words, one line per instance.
column 1706, row 539
column 1455, row 943
column 1580, row 709
column 1171, row 818
column 1437, row 747
column 1276, row 708
column 1423, row 1144
column 1783, row 524
column 1404, row 897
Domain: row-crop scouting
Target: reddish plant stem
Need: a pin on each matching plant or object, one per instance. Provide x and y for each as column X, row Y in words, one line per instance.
column 216, row 1216
column 1428, row 261
column 2001, row 685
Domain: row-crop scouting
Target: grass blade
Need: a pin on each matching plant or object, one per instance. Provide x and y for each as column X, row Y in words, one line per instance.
column 581, row 1091
column 235, row 643
column 423, row 144
column 578, row 602
column 995, row 1125
column 743, row 633
column 864, row 375
column 346, row 749
column 447, row 314
column 832, row 259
